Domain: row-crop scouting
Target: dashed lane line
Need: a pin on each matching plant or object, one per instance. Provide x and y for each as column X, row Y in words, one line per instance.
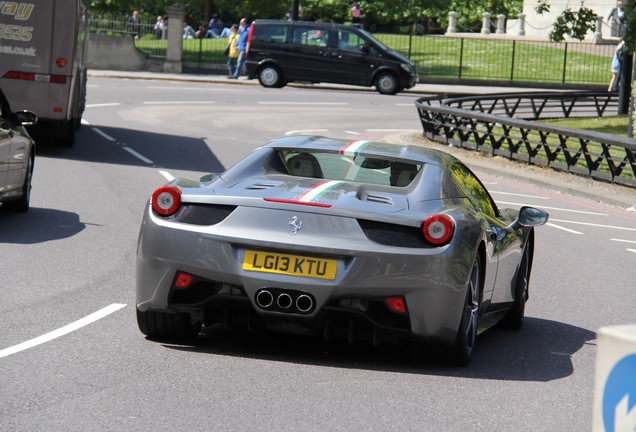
column 95, row 316
column 555, row 208
column 571, row 231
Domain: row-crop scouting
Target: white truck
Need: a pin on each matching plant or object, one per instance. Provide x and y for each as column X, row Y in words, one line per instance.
column 42, row 55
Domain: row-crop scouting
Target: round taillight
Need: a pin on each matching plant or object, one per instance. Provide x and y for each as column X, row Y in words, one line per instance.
column 438, row 229
column 166, row 200
column 60, row 62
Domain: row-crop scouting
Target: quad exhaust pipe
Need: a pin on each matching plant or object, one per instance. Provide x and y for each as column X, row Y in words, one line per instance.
column 284, row 301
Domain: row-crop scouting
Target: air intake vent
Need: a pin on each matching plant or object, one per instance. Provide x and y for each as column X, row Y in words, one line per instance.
column 379, row 199
column 202, row 214
column 260, row 186
column 393, row 235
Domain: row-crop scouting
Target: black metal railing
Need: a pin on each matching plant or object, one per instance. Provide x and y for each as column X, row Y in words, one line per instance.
column 505, row 125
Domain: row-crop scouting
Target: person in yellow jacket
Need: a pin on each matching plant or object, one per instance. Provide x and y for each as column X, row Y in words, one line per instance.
column 234, row 52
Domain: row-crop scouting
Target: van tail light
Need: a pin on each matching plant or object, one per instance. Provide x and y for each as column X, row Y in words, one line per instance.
column 249, row 40
column 29, row 76
column 438, row 229
column 166, row 200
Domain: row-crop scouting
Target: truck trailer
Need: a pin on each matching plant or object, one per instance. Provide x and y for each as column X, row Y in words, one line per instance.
column 42, row 63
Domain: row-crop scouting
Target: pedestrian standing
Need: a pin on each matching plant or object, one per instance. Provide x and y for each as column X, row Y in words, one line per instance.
column 233, row 52
column 133, row 25
column 241, row 45
column 617, row 20
column 617, row 65
column 355, row 15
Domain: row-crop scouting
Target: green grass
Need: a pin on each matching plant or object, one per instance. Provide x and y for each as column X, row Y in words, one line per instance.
column 452, row 57
column 616, row 125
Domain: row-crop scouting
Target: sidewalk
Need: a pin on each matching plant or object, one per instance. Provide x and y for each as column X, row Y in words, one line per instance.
column 419, row 89
column 561, row 182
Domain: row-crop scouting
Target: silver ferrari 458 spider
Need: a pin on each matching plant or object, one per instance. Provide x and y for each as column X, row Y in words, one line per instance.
column 359, row 240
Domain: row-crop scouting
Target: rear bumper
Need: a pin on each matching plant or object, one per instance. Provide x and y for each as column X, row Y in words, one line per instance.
column 224, row 291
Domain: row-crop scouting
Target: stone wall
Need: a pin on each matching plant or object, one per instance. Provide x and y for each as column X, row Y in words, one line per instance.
column 107, row 52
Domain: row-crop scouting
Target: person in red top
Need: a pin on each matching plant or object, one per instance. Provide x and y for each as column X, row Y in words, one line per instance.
column 355, row 14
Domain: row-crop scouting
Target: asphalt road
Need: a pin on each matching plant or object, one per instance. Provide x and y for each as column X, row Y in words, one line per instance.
column 72, row 358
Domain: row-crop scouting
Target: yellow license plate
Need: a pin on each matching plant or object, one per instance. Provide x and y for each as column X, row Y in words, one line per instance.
column 295, row 265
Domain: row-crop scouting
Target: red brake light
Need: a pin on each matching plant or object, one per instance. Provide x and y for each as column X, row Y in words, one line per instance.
column 166, row 200
column 60, row 62
column 396, row 304
column 58, row 79
column 183, row 280
column 438, row 229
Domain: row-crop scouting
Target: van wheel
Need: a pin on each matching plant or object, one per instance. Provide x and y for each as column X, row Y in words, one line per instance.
column 270, row 76
column 386, row 83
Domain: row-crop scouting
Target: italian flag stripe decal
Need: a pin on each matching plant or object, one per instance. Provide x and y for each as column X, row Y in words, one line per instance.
column 318, row 190
column 352, row 148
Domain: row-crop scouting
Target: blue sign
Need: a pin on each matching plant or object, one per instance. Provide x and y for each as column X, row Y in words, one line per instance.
column 619, row 396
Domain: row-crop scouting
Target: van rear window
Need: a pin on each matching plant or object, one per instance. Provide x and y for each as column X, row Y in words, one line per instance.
column 271, row 34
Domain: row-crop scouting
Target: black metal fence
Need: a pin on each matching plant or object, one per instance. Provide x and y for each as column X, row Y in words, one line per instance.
column 502, row 125
column 490, row 58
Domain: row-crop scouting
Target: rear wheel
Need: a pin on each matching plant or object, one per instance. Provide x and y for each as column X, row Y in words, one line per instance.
column 22, row 205
column 270, row 76
column 461, row 352
column 386, row 83
column 167, row 326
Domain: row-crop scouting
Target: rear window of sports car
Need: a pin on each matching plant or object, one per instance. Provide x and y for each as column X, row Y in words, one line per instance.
column 355, row 168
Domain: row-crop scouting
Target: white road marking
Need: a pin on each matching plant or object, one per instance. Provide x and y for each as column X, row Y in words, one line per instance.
column 391, row 130
column 196, row 89
column 405, row 104
column 85, row 122
column 305, row 103
column 180, row 103
column 563, row 228
column 595, row 225
column 102, row 313
column 554, row 208
column 166, row 175
column 631, row 250
column 138, row 155
column 623, row 241
column 519, row 195
column 304, row 131
column 104, row 135
column 112, row 104
column 352, row 132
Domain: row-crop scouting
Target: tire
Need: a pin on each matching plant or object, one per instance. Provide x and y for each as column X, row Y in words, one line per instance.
column 270, row 76
column 386, row 83
column 167, row 326
column 461, row 352
column 22, row 205
column 514, row 318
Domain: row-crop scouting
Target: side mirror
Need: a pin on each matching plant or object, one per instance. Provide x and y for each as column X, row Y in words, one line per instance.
column 25, row 118
column 529, row 217
column 364, row 49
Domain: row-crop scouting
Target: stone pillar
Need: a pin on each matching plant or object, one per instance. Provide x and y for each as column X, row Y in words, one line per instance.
column 522, row 25
column 598, row 35
column 485, row 26
column 501, row 24
column 173, row 64
column 452, row 22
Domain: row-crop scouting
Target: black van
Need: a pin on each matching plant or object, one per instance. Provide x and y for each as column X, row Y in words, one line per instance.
column 283, row 51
